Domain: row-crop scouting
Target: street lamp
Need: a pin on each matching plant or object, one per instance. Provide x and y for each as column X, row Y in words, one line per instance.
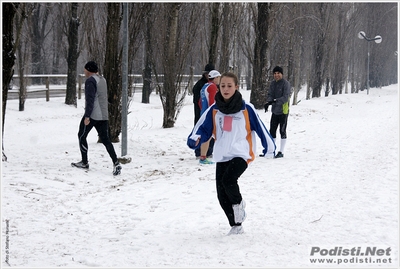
column 377, row 39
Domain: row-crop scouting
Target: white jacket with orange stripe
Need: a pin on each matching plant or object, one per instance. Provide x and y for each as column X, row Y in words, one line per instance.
column 234, row 134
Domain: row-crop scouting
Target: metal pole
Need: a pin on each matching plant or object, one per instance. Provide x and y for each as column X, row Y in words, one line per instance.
column 124, row 127
column 368, row 71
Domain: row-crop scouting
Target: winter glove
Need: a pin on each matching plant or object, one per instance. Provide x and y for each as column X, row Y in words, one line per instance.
column 268, row 104
column 266, row 107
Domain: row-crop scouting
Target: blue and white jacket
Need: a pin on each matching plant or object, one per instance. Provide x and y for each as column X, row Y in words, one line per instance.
column 239, row 141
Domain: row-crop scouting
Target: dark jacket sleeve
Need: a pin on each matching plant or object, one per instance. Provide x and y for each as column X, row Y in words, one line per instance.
column 270, row 96
column 90, row 94
column 280, row 100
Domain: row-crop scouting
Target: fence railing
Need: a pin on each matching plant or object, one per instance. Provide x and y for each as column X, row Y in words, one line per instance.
column 39, row 88
column 57, row 82
column 136, row 79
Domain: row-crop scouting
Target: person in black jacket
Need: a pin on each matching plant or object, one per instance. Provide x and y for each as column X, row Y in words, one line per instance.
column 197, row 88
column 278, row 97
column 196, row 96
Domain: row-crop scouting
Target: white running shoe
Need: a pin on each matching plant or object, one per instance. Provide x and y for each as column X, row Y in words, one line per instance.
column 238, row 212
column 236, row 230
column 117, row 169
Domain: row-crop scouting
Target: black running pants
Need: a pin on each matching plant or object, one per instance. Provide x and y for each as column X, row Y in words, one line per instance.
column 102, row 130
column 281, row 121
column 227, row 175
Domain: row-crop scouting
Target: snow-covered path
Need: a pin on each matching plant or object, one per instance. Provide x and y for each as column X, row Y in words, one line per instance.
column 337, row 186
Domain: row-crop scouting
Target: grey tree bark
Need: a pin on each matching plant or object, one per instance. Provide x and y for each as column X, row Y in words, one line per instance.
column 9, row 10
column 73, row 54
column 260, row 62
column 215, row 25
column 112, row 68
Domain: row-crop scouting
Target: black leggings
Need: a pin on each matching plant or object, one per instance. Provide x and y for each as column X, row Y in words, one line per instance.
column 227, row 175
column 280, row 120
column 102, row 130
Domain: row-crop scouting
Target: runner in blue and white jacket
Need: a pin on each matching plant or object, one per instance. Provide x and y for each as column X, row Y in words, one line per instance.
column 233, row 123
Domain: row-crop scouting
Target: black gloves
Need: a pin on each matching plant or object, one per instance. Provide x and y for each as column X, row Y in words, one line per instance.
column 268, row 104
column 266, row 107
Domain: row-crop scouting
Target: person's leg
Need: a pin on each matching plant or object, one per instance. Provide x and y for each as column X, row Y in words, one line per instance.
column 210, row 147
column 82, row 136
column 203, row 152
column 102, row 130
column 227, row 175
column 273, row 125
column 282, row 130
column 221, row 193
column 196, row 119
column 196, row 113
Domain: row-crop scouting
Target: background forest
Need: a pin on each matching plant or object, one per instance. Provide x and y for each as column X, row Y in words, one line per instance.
column 317, row 45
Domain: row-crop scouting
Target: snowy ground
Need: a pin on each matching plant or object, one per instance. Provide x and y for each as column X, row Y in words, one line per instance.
column 337, row 186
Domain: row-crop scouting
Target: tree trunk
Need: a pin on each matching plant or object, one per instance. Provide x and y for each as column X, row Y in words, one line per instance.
column 339, row 72
column 9, row 10
column 327, row 87
column 213, row 50
column 22, row 81
column 112, row 69
column 316, row 83
column 146, row 91
column 38, row 32
column 259, row 88
column 168, row 96
column 21, row 52
column 73, row 54
column 227, row 38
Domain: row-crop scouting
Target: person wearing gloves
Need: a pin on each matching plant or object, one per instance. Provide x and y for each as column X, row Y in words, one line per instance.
column 233, row 122
column 278, row 97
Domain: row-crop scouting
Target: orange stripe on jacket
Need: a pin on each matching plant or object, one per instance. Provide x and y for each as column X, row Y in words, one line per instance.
column 249, row 136
column 214, row 112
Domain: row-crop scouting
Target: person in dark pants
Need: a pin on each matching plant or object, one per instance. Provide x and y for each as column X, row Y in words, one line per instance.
column 196, row 97
column 233, row 123
column 228, row 192
column 96, row 115
column 207, row 95
column 278, row 97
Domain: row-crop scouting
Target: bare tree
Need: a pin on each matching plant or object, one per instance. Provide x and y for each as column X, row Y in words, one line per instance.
column 73, row 54
column 322, row 22
column 247, row 37
column 112, row 68
column 260, row 67
column 39, row 30
column 168, row 92
column 9, row 10
column 22, row 52
column 94, row 25
column 230, row 19
column 212, row 50
column 147, row 81
column 175, row 27
column 137, row 13
column 312, row 41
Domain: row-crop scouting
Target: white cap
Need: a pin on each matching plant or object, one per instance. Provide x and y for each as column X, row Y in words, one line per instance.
column 214, row 74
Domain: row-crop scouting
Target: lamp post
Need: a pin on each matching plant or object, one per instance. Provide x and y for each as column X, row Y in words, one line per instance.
column 377, row 39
